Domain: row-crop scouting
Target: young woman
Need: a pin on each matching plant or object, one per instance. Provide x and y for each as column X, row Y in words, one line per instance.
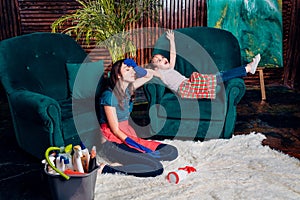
column 133, row 155
column 197, row 85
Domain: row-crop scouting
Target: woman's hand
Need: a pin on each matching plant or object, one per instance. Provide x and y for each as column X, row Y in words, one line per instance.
column 140, row 72
column 134, row 144
column 155, row 73
column 141, row 81
column 131, row 143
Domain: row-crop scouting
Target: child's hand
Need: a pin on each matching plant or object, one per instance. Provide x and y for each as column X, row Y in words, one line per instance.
column 170, row 35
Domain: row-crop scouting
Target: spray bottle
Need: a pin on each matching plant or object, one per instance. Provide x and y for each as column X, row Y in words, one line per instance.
column 85, row 159
column 180, row 174
column 77, row 164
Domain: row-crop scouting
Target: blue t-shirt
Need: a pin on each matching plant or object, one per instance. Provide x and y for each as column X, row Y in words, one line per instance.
column 109, row 99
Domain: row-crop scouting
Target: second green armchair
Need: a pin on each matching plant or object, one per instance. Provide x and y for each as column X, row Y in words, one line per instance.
column 206, row 50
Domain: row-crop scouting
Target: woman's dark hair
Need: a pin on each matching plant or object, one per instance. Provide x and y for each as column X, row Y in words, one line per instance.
column 110, row 80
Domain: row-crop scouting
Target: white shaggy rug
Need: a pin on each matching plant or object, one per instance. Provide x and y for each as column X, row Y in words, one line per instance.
column 238, row 168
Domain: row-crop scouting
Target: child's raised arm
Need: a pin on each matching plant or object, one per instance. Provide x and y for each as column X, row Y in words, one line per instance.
column 171, row 37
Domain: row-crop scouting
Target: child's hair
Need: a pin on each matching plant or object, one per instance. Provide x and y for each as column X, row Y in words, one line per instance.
column 151, row 65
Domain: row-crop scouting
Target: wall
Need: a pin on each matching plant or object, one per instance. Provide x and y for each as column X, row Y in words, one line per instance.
column 291, row 42
column 257, row 25
column 25, row 16
column 9, row 19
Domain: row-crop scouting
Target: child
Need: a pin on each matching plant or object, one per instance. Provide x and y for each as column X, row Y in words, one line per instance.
column 198, row 85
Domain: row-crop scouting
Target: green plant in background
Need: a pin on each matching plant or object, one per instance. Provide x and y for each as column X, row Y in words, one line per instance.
column 106, row 22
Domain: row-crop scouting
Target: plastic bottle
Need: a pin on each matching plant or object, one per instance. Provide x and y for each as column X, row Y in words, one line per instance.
column 60, row 163
column 50, row 170
column 180, row 174
column 65, row 156
column 77, row 164
column 93, row 162
column 85, row 159
column 68, row 164
column 68, row 156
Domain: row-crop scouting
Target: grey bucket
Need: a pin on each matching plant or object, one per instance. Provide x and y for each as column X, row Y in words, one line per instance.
column 81, row 187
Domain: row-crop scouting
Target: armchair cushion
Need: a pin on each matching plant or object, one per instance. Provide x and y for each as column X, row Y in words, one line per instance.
column 83, row 78
column 172, row 106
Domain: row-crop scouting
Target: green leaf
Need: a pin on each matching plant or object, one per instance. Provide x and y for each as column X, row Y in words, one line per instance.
column 102, row 21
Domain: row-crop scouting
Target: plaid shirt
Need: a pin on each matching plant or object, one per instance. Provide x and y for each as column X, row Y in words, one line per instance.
column 199, row 86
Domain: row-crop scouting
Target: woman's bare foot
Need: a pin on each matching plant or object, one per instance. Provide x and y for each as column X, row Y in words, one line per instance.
column 116, row 164
column 101, row 166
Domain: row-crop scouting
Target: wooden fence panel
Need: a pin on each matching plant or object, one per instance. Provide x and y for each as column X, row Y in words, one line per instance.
column 174, row 15
column 19, row 17
column 9, row 19
column 291, row 42
column 37, row 16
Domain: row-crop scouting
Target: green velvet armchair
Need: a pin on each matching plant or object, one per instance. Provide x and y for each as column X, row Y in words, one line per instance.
column 206, row 50
column 38, row 72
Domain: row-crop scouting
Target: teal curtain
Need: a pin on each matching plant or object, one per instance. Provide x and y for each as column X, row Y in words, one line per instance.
column 256, row 23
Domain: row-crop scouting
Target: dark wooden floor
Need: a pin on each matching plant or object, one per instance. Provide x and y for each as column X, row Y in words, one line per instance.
column 278, row 119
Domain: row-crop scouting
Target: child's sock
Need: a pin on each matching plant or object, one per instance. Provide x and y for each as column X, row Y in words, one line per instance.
column 254, row 63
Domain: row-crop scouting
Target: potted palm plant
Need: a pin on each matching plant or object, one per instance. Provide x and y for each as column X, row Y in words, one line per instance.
column 106, row 22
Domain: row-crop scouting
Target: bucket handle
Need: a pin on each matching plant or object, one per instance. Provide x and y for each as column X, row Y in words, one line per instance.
column 49, row 162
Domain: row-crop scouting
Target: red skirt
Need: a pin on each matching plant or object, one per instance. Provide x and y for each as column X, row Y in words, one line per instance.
column 130, row 132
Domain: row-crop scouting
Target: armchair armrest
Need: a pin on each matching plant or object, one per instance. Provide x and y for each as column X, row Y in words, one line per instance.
column 154, row 90
column 235, row 89
column 33, row 106
column 38, row 109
